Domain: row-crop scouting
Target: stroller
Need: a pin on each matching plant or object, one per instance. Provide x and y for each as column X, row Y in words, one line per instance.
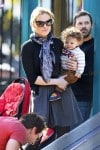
column 15, row 99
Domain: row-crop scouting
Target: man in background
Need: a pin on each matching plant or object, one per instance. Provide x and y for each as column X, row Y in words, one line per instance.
column 83, row 88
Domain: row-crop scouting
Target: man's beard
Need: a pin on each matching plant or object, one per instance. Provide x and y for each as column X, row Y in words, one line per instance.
column 87, row 35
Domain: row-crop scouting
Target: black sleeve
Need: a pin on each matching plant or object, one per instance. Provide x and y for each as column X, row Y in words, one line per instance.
column 29, row 63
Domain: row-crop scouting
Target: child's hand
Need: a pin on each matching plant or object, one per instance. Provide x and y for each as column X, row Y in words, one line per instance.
column 77, row 75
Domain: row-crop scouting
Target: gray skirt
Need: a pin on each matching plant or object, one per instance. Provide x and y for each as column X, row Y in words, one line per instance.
column 63, row 112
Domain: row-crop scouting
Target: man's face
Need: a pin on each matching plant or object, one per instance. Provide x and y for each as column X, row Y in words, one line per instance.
column 83, row 23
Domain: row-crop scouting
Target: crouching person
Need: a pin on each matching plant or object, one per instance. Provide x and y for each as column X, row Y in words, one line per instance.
column 14, row 133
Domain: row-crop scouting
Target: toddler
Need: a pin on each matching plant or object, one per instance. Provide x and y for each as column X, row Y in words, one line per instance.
column 72, row 39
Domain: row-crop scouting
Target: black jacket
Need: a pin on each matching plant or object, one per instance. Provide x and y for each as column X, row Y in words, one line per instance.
column 31, row 60
column 83, row 88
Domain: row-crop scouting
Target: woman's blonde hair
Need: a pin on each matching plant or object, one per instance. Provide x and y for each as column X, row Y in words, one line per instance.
column 38, row 11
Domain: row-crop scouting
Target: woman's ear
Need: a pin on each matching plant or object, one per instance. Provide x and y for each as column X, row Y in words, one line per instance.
column 33, row 26
column 92, row 25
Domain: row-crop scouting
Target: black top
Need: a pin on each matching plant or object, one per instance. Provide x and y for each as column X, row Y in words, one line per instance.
column 83, row 88
column 31, row 60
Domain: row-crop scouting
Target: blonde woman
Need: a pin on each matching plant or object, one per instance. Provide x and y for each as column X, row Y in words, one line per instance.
column 42, row 65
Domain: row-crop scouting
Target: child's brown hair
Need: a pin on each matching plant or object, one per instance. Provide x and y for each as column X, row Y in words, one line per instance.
column 72, row 32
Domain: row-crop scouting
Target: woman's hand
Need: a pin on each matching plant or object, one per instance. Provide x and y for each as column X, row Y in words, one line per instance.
column 72, row 63
column 61, row 82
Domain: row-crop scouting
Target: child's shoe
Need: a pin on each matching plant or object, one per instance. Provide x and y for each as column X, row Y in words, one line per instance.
column 55, row 96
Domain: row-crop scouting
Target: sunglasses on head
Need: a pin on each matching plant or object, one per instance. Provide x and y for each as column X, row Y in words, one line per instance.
column 42, row 23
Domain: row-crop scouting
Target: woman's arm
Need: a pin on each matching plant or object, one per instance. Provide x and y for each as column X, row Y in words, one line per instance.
column 60, row 82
